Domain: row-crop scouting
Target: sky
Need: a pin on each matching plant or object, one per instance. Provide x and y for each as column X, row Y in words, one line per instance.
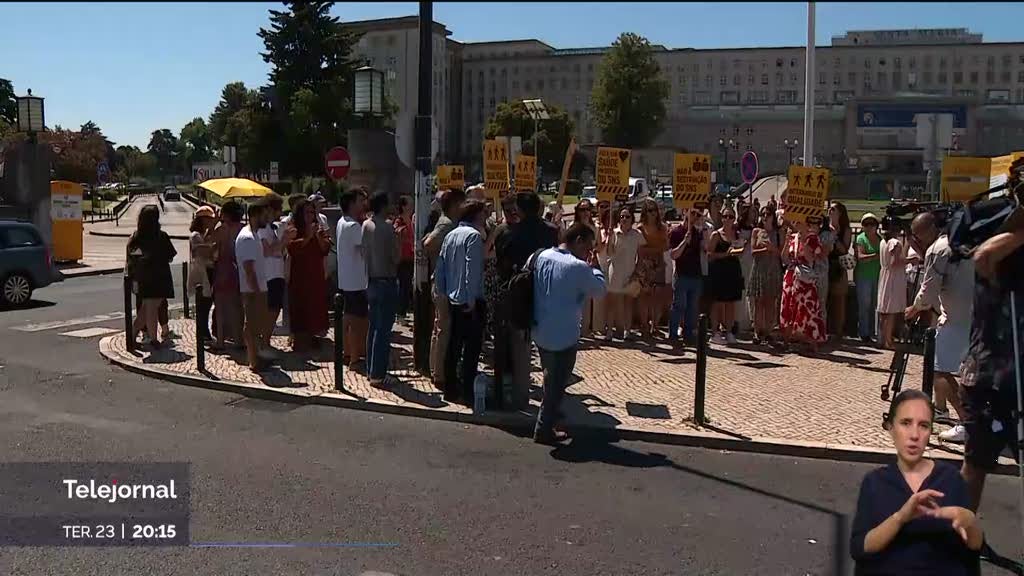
column 136, row 67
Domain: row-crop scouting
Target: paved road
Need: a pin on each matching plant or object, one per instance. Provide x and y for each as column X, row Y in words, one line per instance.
column 175, row 219
column 455, row 499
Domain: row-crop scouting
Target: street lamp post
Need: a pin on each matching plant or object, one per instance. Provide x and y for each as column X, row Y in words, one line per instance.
column 537, row 111
column 369, row 92
column 724, row 146
column 790, row 145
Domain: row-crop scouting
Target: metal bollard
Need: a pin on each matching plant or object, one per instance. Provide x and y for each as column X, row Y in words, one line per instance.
column 702, row 371
column 129, row 331
column 928, row 370
column 339, row 344
column 184, row 290
column 200, row 334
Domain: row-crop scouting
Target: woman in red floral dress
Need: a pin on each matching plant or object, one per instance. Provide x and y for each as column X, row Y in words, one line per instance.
column 801, row 318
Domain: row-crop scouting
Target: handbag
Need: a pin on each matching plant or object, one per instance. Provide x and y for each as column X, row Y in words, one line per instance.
column 847, row 261
column 633, row 288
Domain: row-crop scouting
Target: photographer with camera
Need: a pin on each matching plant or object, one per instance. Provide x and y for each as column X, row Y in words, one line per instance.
column 991, row 374
column 948, row 286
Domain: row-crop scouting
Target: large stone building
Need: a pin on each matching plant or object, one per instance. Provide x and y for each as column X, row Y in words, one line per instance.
column 868, row 87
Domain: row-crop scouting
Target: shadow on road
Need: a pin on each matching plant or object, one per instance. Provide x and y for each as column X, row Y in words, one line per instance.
column 30, row 305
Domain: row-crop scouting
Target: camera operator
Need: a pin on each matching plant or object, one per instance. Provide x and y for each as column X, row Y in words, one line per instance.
column 989, row 374
column 948, row 286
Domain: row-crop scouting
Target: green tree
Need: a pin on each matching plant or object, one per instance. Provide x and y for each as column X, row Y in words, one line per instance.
column 78, row 155
column 163, row 146
column 195, row 142
column 310, row 96
column 133, row 164
column 628, row 103
column 234, row 98
column 551, row 136
column 8, row 103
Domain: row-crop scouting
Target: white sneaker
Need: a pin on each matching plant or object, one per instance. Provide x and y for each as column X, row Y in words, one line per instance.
column 957, row 434
column 609, row 336
column 730, row 338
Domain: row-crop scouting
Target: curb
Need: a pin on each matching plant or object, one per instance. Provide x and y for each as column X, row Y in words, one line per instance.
column 518, row 422
column 129, row 235
column 91, row 272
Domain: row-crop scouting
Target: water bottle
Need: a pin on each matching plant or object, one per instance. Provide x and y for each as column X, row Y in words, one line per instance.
column 479, row 394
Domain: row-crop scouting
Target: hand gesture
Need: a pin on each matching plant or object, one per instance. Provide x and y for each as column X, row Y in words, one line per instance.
column 962, row 518
column 922, row 503
column 910, row 313
column 290, row 232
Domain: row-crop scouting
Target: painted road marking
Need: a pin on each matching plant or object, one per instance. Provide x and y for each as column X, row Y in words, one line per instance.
column 56, row 324
column 91, row 332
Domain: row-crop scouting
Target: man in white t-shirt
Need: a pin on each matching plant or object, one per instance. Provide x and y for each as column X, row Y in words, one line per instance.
column 272, row 237
column 252, row 284
column 353, row 278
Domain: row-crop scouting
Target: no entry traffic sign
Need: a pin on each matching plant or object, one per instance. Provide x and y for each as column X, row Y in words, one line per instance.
column 748, row 167
column 337, row 163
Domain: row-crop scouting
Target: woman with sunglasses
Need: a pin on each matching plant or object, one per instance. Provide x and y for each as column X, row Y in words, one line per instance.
column 650, row 268
column 623, row 244
column 726, row 276
column 765, row 286
column 801, row 319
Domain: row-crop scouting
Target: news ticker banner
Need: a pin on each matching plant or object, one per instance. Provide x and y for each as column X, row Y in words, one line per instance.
column 94, row 504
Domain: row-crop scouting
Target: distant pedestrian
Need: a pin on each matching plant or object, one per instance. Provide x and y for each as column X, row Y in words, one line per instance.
column 353, row 279
column 765, row 285
column 382, row 256
column 800, row 317
column 563, row 280
column 584, row 214
column 451, row 208
column 307, row 287
column 866, row 274
column 839, row 260
column 892, row 284
column 227, row 299
column 650, row 268
column 459, row 278
column 150, row 253
column 253, row 286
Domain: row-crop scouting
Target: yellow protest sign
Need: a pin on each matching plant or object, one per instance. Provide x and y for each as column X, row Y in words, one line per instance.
column 691, row 181
column 496, row 169
column 450, row 176
column 806, row 192
column 999, row 171
column 964, row 177
column 526, row 173
column 612, row 174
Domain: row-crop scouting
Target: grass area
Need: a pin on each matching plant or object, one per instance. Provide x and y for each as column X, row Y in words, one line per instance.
column 96, row 204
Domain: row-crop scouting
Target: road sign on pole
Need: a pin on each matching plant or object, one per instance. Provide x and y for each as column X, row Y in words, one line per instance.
column 102, row 173
column 748, row 167
column 337, row 163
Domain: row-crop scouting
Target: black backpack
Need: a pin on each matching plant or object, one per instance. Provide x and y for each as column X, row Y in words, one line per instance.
column 519, row 295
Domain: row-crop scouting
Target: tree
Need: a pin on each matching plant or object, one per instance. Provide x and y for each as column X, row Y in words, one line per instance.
column 234, row 98
column 75, row 154
column 310, row 96
column 163, row 145
column 8, row 103
column 552, row 135
column 133, row 163
column 628, row 103
column 195, row 141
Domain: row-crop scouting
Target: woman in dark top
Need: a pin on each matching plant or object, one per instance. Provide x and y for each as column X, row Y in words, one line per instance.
column 838, row 277
column 686, row 243
column 149, row 265
column 726, row 275
column 912, row 515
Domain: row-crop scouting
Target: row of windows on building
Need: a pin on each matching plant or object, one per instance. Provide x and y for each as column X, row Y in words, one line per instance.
column 926, row 77
column 928, row 61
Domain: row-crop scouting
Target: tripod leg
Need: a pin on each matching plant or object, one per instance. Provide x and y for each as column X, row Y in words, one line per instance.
column 1020, row 409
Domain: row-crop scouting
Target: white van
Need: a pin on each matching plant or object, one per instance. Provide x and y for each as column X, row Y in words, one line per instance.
column 638, row 190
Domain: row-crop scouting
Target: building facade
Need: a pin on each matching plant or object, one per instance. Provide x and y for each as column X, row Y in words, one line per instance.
column 868, row 87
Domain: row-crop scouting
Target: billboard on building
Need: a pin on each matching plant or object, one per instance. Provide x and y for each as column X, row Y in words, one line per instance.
column 893, row 126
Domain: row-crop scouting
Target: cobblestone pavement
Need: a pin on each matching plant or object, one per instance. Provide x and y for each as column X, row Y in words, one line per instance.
column 832, row 399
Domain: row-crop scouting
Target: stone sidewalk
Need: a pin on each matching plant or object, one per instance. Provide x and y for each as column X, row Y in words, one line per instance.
column 757, row 400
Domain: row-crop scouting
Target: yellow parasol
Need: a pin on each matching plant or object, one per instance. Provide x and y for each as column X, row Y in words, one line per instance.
column 235, row 188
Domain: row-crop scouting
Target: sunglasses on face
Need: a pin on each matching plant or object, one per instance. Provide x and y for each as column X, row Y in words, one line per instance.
column 728, row 217
column 625, row 217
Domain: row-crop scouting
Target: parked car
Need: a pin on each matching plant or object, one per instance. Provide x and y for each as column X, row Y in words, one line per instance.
column 663, row 196
column 638, row 191
column 25, row 262
column 171, row 193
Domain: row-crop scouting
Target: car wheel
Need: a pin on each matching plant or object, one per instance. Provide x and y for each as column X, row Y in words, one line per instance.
column 16, row 290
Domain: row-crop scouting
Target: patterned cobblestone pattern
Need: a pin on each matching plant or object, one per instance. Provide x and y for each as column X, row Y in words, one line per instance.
column 832, row 398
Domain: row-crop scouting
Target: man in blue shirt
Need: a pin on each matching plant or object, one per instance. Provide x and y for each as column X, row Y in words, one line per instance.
column 460, row 277
column 562, row 282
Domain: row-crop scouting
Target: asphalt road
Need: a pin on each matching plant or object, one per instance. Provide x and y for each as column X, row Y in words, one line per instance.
column 449, row 499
